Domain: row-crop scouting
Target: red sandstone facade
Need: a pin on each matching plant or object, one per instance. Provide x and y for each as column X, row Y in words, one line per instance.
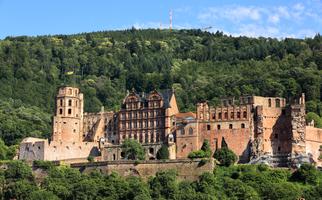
column 253, row 127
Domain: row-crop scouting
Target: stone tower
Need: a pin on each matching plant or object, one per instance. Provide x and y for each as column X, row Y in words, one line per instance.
column 68, row 119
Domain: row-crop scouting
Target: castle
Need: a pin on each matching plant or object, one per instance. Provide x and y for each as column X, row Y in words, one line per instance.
column 257, row 129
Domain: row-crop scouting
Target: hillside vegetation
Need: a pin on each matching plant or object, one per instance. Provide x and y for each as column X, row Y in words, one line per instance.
column 235, row 182
column 198, row 65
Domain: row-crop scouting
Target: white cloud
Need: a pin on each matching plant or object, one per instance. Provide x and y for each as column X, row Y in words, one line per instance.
column 254, row 30
column 232, row 13
column 274, row 18
column 306, row 33
column 298, row 7
column 270, row 21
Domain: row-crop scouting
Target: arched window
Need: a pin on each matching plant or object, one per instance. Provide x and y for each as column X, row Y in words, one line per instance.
column 230, row 126
column 219, row 116
column 238, row 115
column 242, row 125
column 61, row 102
column 269, row 102
column 218, row 127
column 190, row 131
column 277, row 103
column 182, row 132
column 232, row 115
column 69, row 102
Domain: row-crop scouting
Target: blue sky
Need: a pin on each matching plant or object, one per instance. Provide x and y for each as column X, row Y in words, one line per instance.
column 269, row 18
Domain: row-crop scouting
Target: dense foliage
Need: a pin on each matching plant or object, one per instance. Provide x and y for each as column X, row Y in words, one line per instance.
column 204, row 152
column 163, row 152
column 235, row 182
column 225, row 156
column 132, row 150
column 198, row 65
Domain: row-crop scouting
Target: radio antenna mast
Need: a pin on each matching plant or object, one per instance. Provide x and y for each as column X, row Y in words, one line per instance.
column 170, row 17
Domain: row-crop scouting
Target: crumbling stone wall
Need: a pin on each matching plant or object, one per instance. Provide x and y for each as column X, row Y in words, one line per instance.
column 298, row 129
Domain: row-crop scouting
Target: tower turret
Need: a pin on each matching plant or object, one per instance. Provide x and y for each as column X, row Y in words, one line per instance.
column 68, row 119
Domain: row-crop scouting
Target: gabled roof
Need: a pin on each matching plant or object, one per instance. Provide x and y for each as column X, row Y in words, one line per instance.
column 143, row 97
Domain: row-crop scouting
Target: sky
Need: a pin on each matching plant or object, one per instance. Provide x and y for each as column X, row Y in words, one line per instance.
column 253, row 18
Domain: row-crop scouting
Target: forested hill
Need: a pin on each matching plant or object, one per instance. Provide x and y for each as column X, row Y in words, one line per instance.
column 198, row 65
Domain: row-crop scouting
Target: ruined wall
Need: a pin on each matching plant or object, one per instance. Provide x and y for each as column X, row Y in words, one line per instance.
column 298, row 129
column 186, row 169
column 40, row 149
column 313, row 143
column 32, row 149
column 96, row 125
column 114, row 152
column 276, row 130
column 237, row 139
column 70, row 150
column 186, row 140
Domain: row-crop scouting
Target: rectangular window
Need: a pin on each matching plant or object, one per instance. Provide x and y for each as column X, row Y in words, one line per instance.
column 69, row 111
column 208, row 127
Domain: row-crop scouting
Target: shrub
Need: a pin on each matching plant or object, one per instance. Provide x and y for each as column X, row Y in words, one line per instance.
column 262, row 167
column 225, row 156
column 43, row 164
column 196, row 154
column 90, row 158
column 306, row 174
column 204, row 152
column 206, row 148
column 163, row 153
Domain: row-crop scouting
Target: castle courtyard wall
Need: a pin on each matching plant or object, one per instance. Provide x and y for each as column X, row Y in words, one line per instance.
column 186, row 169
column 40, row 149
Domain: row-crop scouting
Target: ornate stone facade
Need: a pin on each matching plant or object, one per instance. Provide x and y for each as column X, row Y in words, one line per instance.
column 260, row 129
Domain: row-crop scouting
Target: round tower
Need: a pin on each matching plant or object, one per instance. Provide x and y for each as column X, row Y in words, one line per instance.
column 68, row 119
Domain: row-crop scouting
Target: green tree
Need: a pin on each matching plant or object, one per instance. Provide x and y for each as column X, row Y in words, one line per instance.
column 225, row 156
column 42, row 195
column 204, row 152
column 18, row 170
column 20, row 189
column 316, row 118
column 164, row 185
column 163, row 152
column 206, row 148
column 236, row 189
column 282, row 191
column 132, row 150
column 306, row 174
